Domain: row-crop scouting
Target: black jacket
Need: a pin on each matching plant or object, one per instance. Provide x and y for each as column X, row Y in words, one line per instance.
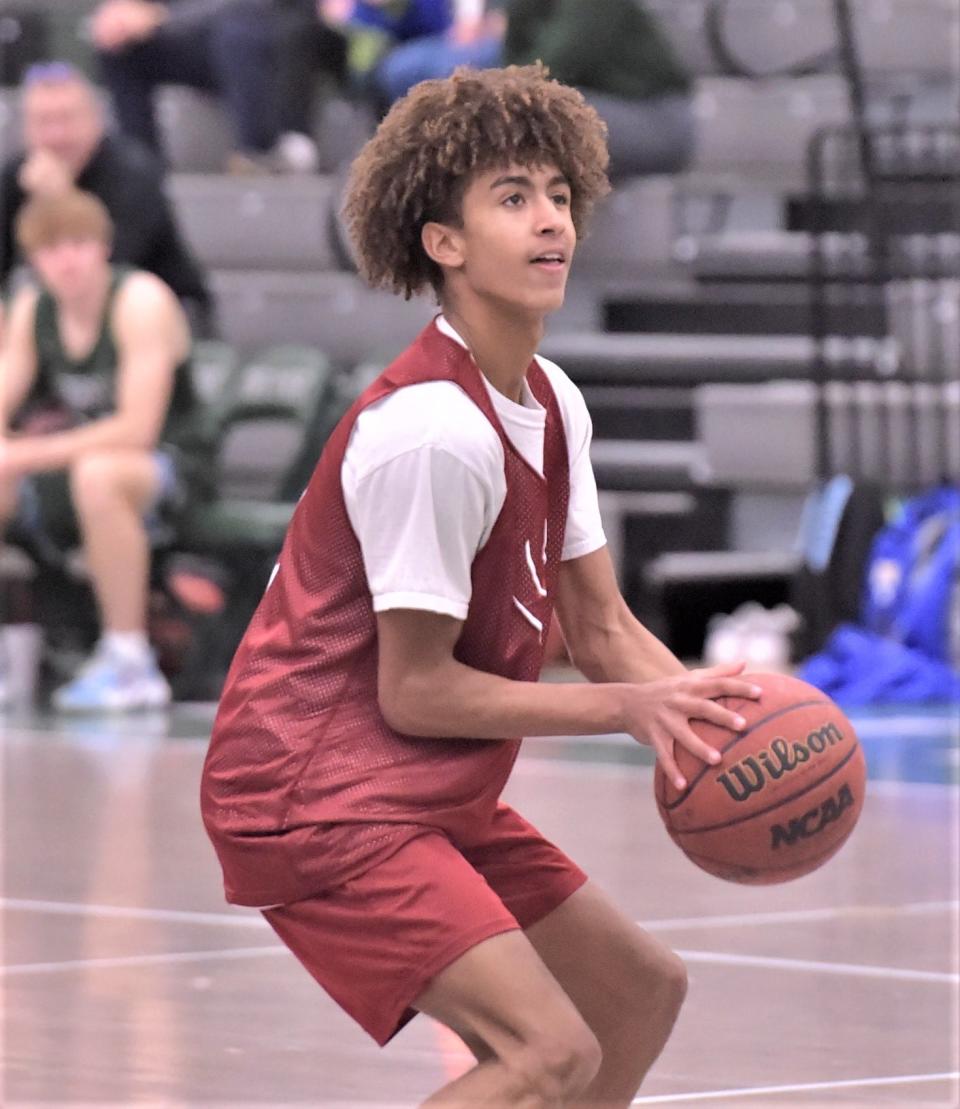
column 129, row 181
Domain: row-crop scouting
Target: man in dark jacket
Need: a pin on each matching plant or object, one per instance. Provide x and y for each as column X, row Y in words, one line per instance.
column 66, row 146
column 615, row 53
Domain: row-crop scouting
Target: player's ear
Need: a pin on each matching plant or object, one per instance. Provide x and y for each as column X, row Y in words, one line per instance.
column 443, row 244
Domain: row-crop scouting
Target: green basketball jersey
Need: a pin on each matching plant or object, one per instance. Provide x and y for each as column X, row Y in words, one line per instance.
column 88, row 386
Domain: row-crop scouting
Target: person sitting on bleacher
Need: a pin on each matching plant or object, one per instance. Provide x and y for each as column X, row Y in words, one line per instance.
column 615, row 53
column 349, row 43
column 66, row 146
column 374, row 28
column 97, row 410
column 224, row 47
column 475, row 38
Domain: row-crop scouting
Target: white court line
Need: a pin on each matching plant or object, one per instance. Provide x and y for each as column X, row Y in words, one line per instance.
column 797, row 916
column 18, row 969
column 252, row 919
column 121, row 912
column 715, row 957
column 799, row 1088
column 860, row 970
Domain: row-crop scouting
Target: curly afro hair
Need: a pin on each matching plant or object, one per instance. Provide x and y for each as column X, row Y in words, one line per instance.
column 443, row 133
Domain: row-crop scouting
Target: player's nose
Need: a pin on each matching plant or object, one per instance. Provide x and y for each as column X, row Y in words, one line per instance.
column 549, row 220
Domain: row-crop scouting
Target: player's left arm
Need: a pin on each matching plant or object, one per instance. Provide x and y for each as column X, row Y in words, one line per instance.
column 152, row 337
column 605, row 640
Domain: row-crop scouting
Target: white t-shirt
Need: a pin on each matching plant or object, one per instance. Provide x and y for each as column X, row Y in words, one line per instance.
column 423, row 483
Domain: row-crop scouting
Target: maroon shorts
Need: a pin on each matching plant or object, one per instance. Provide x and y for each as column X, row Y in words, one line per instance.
column 375, row 942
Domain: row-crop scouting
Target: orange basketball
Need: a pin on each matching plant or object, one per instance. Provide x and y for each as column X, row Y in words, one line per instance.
column 786, row 795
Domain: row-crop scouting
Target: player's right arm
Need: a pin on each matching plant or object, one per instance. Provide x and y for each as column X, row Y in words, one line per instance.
column 18, row 355
column 424, row 690
column 421, row 478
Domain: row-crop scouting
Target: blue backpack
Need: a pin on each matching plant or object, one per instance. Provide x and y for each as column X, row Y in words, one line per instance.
column 912, row 588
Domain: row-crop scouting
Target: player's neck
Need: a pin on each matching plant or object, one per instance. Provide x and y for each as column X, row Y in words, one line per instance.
column 502, row 343
column 87, row 305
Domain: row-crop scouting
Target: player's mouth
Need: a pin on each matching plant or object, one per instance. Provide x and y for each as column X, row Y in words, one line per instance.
column 551, row 260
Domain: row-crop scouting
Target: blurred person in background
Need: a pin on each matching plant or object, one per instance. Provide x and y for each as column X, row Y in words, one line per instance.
column 311, row 54
column 224, row 47
column 97, row 418
column 475, row 39
column 351, row 43
column 375, row 28
column 616, row 54
column 66, row 146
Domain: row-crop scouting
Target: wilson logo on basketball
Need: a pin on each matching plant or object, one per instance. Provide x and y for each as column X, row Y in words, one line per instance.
column 813, row 821
column 751, row 774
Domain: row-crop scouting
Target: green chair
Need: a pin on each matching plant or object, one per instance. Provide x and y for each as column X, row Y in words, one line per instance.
column 272, row 420
column 270, row 416
column 214, row 365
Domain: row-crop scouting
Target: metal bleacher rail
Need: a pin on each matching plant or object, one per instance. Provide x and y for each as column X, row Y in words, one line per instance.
column 879, row 395
column 882, row 408
column 899, row 426
column 873, row 278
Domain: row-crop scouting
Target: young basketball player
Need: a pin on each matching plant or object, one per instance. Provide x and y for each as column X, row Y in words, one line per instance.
column 370, row 717
column 95, row 380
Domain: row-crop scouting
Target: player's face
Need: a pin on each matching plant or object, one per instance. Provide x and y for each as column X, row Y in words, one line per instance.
column 517, row 239
column 63, row 119
column 69, row 268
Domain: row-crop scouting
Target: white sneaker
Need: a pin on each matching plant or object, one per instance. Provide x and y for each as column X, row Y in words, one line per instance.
column 724, row 640
column 754, row 634
column 108, row 681
column 296, row 153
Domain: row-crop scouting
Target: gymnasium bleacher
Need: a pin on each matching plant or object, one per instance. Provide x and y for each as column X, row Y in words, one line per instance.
column 706, row 312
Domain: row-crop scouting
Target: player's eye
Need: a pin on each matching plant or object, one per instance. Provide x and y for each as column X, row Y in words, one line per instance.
column 514, row 200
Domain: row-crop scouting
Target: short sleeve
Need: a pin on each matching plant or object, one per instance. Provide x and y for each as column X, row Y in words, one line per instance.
column 423, row 485
column 420, row 521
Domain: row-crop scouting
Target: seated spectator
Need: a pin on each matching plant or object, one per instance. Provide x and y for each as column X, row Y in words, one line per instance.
column 347, row 41
column 65, row 147
column 475, row 39
column 615, row 53
column 97, row 416
column 309, row 52
column 224, row 47
column 375, row 27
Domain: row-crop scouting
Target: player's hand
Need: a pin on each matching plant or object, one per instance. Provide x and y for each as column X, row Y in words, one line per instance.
column 44, row 174
column 118, row 23
column 659, row 712
column 335, row 12
column 465, row 32
column 469, row 29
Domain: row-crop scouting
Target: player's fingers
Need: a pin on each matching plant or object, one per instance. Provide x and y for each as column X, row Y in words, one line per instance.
column 727, row 687
column 705, row 709
column 664, row 749
column 688, row 738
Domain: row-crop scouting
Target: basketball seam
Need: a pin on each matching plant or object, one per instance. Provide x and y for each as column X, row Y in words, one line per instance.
column 736, row 739
column 743, row 817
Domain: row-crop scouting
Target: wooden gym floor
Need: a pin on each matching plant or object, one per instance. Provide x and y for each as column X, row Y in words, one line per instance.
column 128, row 981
